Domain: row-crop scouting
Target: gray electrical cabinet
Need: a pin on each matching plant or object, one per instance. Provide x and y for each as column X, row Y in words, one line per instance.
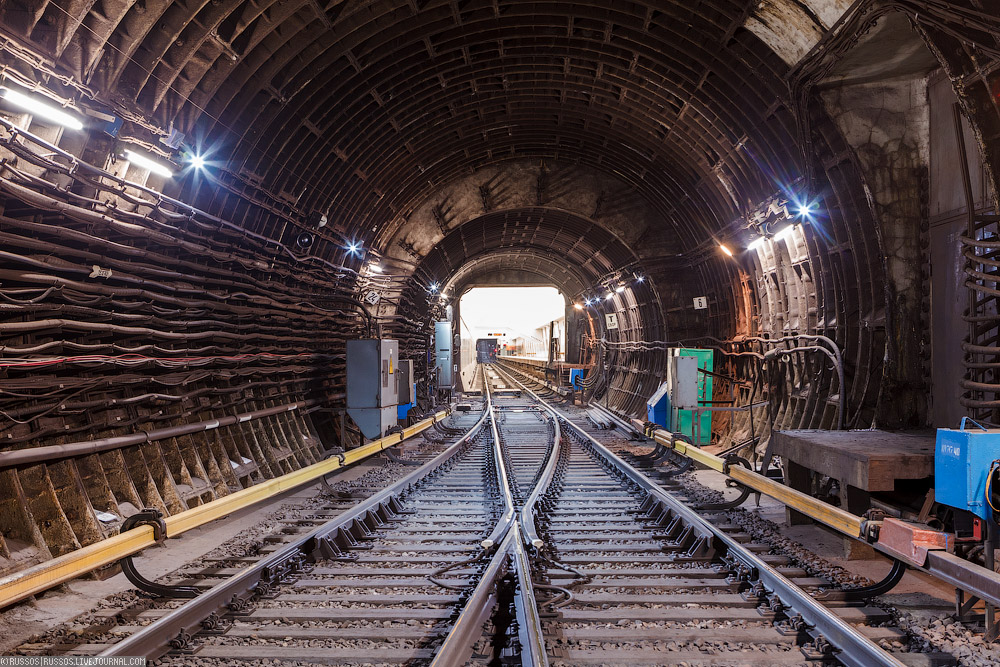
column 682, row 379
column 372, row 384
column 442, row 354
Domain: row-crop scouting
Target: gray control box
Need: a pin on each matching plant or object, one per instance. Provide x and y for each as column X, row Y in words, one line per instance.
column 372, row 384
column 682, row 377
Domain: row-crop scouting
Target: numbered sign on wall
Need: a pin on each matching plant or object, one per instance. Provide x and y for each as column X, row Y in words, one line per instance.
column 611, row 320
column 700, row 302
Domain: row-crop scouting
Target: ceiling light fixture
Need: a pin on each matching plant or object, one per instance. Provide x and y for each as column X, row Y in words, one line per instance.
column 725, row 249
column 578, row 306
column 620, row 289
column 36, row 107
column 756, row 243
column 148, row 163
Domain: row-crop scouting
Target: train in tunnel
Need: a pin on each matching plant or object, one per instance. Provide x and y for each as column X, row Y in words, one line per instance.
column 487, row 350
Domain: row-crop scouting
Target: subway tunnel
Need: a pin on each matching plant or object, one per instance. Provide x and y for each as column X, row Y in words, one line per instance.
column 219, row 195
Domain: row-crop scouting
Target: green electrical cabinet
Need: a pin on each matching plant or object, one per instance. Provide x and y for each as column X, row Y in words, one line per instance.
column 685, row 418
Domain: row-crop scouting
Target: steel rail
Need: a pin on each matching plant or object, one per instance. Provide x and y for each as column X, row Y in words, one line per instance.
column 503, row 525
column 855, row 650
column 468, row 628
column 965, row 575
column 529, row 621
column 37, row 578
column 186, row 620
column 458, row 645
column 527, row 519
column 530, row 634
column 460, row 642
column 960, row 573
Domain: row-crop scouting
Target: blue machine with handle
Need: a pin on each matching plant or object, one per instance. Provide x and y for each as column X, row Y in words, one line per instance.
column 964, row 461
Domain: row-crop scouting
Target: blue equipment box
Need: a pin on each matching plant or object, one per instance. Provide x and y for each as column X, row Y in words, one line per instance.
column 658, row 407
column 576, row 378
column 962, row 461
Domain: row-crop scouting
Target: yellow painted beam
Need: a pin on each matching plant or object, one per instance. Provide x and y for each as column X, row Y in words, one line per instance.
column 20, row 585
column 834, row 517
column 35, row 579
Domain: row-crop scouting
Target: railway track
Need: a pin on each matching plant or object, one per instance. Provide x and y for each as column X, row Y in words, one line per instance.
column 628, row 575
column 383, row 581
column 526, row 541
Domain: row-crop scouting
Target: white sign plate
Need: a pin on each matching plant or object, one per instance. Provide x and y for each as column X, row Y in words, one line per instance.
column 700, row 302
column 372, row 297
column 611, row 320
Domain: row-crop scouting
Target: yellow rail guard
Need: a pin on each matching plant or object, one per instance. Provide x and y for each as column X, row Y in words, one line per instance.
column 20, row 585
column 834, row 517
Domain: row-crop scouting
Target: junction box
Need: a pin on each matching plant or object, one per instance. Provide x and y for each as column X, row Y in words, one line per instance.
column 373, row 384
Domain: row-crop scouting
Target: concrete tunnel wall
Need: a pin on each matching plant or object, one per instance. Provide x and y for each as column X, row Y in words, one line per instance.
column 443, row 140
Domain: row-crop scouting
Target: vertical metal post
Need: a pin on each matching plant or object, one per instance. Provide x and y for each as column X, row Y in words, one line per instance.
column 963, row 157
column 343, row 434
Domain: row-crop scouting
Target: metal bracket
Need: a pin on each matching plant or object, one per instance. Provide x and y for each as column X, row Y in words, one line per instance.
column 151, row 517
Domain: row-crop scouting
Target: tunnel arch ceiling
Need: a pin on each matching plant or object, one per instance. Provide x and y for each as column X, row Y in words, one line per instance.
column 367, row 110
column 360, row 109
column 572, row 252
